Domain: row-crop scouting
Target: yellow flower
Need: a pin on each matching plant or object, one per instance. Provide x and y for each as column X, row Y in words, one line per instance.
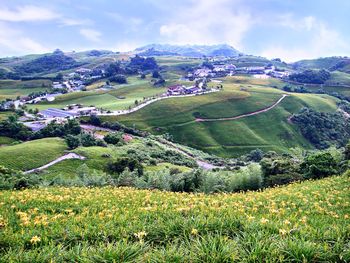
column 35, row 239
column 264, row 220
column 286, row 222
column 250, row 218
column 194, row 231
column 283, row 232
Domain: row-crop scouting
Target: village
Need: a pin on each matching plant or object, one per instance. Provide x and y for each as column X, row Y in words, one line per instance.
column 77, row 81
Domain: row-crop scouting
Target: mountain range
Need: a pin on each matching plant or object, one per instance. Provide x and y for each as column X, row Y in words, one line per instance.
column 188, row 50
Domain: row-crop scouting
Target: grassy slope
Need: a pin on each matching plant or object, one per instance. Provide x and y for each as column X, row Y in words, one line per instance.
column 12, row 88
column 269, row 131
column 33, row 154
column 6, row 140
column 302, row 222
column 136, row 89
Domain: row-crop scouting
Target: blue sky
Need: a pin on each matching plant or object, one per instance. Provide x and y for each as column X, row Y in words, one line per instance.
column 290, row 29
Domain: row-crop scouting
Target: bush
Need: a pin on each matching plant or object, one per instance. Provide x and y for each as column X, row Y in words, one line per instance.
column 12, row 179
column 121, row 164
column 319, row 165
column 281, row 179
column 347, row 151
column 113, row 138
column 73, row 141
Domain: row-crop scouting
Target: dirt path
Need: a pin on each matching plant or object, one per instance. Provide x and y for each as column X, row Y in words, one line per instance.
column 60, row 159
column 246, row 114
column 148, row 102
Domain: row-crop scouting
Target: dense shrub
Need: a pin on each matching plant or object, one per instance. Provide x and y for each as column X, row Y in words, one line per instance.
column 113, row 138
column 311, row 76
column 118, row 166
column 323, row 129
column 11, row 179
column 54, row 129
column 319, row 165
column 13, row 129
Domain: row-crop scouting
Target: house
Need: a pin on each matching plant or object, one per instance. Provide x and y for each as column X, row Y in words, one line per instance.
column 83, row 70
column 56, row 113
column 192, row 90
column 256, row 70
column 204, row 72
column 176, row 90
column 57, row 85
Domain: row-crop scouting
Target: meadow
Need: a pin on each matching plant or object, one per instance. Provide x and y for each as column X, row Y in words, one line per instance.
column 118, row 98
column 269, row 131
column 11, row 89
column 301, row 222
column 32, row 154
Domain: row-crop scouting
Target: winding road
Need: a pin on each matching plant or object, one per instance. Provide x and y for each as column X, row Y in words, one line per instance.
column 59, row 159
column 246, row 114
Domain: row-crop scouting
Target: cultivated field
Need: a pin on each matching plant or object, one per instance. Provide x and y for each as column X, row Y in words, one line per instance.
column 269, row 130
column 302, row 222
column 32, row 154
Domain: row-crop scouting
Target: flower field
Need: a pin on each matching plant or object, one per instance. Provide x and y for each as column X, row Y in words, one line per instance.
column 301, row 222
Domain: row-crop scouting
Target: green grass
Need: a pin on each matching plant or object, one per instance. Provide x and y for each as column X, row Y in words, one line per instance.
column 10, row 89
column 6, row 140
column 32, row 154
column 302, row 222
column 268, row 131
column 4, row 115
column 120, row 98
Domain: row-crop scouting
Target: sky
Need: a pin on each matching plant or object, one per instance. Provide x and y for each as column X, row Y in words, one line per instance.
column 287, row 29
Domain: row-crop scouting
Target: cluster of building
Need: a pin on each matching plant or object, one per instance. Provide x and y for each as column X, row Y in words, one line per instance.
column 70, row 111
column 223, row 70
column 76, row 81
column 178, row 89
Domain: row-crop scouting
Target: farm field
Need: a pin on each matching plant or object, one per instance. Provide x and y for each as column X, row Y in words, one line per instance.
column 269, row 131
column 11, row 89
column 301, row 222
column 32, row 154
column 119, row 98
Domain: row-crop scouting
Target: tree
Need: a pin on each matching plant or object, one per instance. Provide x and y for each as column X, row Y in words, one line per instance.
column 121, row 164
column 347, row 151
column 59, row 77
column 156, row 74
column 113, row 138
column 120, row 79
column 319, row 165
column 73, row 141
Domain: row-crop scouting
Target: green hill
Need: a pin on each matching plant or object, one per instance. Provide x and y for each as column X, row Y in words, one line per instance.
column 269, row 130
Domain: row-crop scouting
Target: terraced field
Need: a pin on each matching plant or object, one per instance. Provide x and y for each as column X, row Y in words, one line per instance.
column 301, row 222
column 269, row 130
column 32, row 154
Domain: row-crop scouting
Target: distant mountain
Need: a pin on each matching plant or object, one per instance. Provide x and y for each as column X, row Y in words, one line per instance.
column 47, row 63
column 188, row 50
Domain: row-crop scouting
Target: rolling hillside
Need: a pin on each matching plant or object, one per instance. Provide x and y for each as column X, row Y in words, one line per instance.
column 269, row 131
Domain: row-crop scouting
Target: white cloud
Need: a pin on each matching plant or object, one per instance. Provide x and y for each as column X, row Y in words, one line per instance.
column 321, row 41
column 15, row 42
column 65, row 21
column 208, row 22
column 91, row 34
column 27, row 13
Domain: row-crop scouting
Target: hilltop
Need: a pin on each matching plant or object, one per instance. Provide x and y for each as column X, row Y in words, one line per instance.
column 188, row 50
